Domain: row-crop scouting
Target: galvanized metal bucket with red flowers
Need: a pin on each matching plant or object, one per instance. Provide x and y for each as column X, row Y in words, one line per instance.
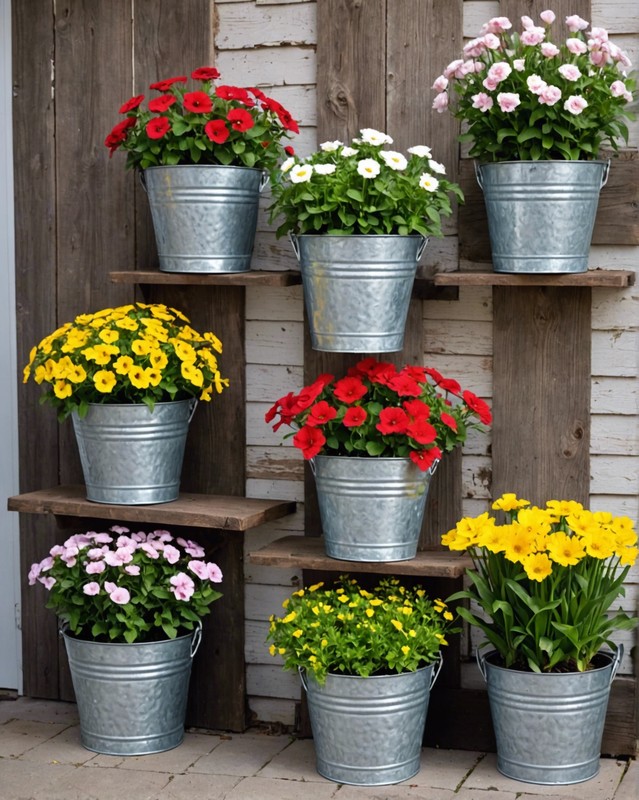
column 374, row 439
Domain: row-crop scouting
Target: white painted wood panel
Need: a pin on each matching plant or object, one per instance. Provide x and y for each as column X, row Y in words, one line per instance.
column 274, row 303
column 272, row 681
column 263, row 601
column 614, row 352
column 450, row 337
column 279, row 463
column 258, row 432
column 615, row 396
column 269, row 66
column 272, row 709
column 275, row 343
column 275, row 490
column 614, row 474
column 266, row 383
column 246, row 25
column 619, row 505
column 474, row 305
column 614, row 435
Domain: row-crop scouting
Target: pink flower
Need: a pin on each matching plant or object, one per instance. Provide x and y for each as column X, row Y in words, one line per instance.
column 550, row 95
column 549, row 50
column 132, row 569
column 527, row 23
column 102, row 538
column 536, row 84
column 482, row 101
column 48, row 583
column 199, row 568
column 116, row 558
column 215, row 573
column 118, row 529
column 95, row 567
column 575, row 104
column 519, row 64
column 490, row 84
column 172, row 554
column 508, row 101
column 34, row 574
column 452, row 68
column 548, row 17
column 497, row 25
column 598, row 35
column 126, row 541
column 576, row 46
column 499, row 71
column 492, row 42
column 441, row 83
column 183, row 586
column 533, row 36
column 570, row 72
column 91, row 588
column 120, row 595
column 474, row 48
column 575, row 23
column 97, row 553
column 440, row 103
column 149, row 549
column 191, row 548
column 109, row 586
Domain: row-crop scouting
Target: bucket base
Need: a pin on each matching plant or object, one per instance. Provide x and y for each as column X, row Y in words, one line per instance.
column 386, row 553
column 206, row 266
column 542, row 776
column 130, row 497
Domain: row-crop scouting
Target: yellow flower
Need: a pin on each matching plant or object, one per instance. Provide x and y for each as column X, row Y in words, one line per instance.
column 562, row 508
column 519, row 543
column 220, row 382
column 141, row 347
column 154, row 376
column 316, row 586
column 537, row 566
column 565, row 550
column 324, row 642
column 138, row 377
column 397, row 624
column 191, row 373
column 405, row 649
column 127, row 324
column 207, row 356
column 509, row 502
column 599, row 544
column 62, row 389
column 158, row 359
column 289, row 617
column 369, row 612
column 298, row 633
column 447, row 615
column 109, row 336
column 77, row 374
column 628, row 556
column 272, row 650
column 104, row 381
column 216, row 344
column 206, row 393
column 123, row 365
column 183, row 350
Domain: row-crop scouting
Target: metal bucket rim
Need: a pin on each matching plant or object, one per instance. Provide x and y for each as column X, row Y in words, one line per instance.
column 63, row 631
column 359, row 236
column 139, row 405
column 392, row 459
column 203, row 166
column 340, row 676
column 484, row 661
column 483, row 164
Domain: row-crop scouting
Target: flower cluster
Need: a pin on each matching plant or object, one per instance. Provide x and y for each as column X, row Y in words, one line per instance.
column 349, row 630
column 524, row 97
column 363, row 188
column 210, row 125
column 377, row 410
column 130, row 354
column 545, row 579
column 126, row 587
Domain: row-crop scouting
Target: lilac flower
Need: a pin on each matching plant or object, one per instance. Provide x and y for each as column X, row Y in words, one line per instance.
column 198, row 568
column 120, row 595
column 215, row 573
column 172, row 554
column 183, row 586
column 47, row 582
column 95, row 567
column 91, row 588
column 192, row 548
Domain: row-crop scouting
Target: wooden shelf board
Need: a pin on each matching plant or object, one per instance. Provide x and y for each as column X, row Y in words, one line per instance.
column 612, row 278
column 251, row 278
column 307, row 552
column 191, row 510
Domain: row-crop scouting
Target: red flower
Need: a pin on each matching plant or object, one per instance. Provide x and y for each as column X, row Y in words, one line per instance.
column 479, row 407
column 425, row 458
column 404, row 385
column 205, row 74
column 422, row 432
column 289, row 150
column 118, row 134
column 309, row 394
column 240, row 119
column 309, row 440
column 321, row 413
column 450, row 385
column 234, row 93
column 198, row 102
column 217, row 131
column 366, row 366
column 382, row 373
column 134, row 102
column 157, row 127
column 258, row 93
column 416, row 373
column 349, row 390
column 164, row 86
column 160, row 104
column 283, row 115
column 417, row 409
column 392, row 420
column 354, row 417
column 436, row 376
column 451, row 422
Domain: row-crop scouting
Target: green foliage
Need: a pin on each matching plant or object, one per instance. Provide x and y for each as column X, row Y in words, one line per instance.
column 349, row 630
column 128, row 587
column 362, row 189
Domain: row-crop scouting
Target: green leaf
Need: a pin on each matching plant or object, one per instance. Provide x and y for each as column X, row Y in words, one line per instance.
column 355, row 194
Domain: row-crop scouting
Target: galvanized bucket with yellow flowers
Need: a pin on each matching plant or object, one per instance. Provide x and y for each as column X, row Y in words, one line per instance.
column 541, row 591
column 367, row 660
column 130, row 378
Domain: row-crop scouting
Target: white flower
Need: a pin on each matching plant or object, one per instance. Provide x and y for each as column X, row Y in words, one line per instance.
column 371, row 136
column 368, row 168
column 301, row 173
column 287, row 164
column 330, row 147
column 420, row 150
column 437, row 167
column 348, row 151
column 395, row 161
column 428, row 182
column 324, row 169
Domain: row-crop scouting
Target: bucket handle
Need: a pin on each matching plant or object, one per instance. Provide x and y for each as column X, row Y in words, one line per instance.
column 616, row 662
column 264, row 180
column 302, row 673
column 422, row 247
column 604, row 181
column 481, row 663
column 296, row 245
column 197, row 638
column 311, row 463
column 478, row 174
column 437, row 668
column 192, row 407
column 142, row 178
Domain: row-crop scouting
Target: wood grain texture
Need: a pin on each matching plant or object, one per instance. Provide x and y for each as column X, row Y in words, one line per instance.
column 541, row 397
column 611, row 278
column 252, row 278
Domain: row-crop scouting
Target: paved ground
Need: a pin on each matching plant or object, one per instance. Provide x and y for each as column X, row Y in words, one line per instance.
column 41, row 758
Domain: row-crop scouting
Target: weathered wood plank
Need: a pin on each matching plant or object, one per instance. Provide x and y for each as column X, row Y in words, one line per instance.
column 620, row 278
column 248, row 25
column 251, row 278
column 308, row 552
column 541, row 396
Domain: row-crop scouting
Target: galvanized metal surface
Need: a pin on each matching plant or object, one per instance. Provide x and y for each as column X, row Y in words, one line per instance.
column 549, row 726
column 131, row 456
column 369, row 731
column 131, row 697
column 541, row 214
column 371, row 508
column 357, row 289
column 204, row 217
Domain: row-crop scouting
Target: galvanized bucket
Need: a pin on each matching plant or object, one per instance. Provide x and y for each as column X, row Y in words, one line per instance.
column 541, row 214
column 369, row 731
column 204, row 217
column 131, row 456
column 371, row 508
column 549, row 726
column 131, row 697
column 357, row 289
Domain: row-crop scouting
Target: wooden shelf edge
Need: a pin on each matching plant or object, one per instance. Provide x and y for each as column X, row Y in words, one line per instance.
column 307, row 552
column 190, row 510
column 611, row 278
column 251, row 278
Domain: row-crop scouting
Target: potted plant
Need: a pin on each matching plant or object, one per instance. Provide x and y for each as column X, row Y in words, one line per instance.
column 204, row 153
column 536, row 114
column 359, row 216
column 544, row 582
column 130, row 378
column 130, row 605
column 374, row 439
column 367, row 660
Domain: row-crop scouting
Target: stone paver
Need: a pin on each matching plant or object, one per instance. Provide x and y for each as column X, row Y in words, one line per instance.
column 241, row 755
column 178, row 760
column 445, row 769
column 629, row 787
column 18, row 735
column 63, row 748
column 198, row 787
column 296, row 762
column 22, row 780
column 277, row 789
column 83, row 783
column 400, row 791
